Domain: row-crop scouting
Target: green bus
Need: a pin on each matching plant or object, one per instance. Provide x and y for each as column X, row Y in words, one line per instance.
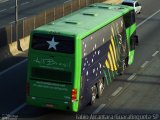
column 72, row 59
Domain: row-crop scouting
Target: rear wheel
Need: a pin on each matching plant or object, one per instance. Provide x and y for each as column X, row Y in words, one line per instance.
column 94, row 94
column 100, row 87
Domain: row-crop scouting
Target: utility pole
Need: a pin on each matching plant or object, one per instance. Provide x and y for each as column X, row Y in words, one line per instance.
column 16, row 21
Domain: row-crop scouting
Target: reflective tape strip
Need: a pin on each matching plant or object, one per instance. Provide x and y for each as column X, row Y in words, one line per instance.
column 110, row 61
column 107, row 64
column 113, row 57
column 114, row 49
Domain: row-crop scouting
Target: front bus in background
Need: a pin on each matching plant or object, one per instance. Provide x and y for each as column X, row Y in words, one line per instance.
column 72, row 59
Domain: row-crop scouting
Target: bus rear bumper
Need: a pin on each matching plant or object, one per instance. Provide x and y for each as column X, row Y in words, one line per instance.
column 50, row 103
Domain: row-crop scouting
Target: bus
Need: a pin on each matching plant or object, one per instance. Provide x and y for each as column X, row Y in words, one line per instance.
column 72, row 59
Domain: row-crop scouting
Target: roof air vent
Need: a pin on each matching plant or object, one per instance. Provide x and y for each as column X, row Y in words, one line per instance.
column 93, row 5
column 51, row 23
column 118, row 8
column 72, row 22
column 105, row 7
column 90, row 14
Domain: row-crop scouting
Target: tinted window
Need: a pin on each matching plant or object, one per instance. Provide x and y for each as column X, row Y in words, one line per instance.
column 136, row 4
column 128, row 4
column 54, row 43
column 129, row 19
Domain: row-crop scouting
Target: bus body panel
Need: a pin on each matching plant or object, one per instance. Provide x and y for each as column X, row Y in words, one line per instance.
column 102, row 55
column 51, row 76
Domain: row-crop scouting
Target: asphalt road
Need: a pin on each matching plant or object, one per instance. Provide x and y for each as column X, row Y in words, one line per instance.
column 135, row 92
column 25, row 8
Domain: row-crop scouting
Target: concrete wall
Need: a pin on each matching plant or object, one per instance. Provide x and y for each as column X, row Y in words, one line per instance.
column 12, row 49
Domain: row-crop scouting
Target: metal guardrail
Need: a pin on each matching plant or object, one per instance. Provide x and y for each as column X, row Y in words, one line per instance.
column 25, row 26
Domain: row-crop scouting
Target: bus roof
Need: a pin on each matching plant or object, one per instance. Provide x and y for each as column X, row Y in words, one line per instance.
column 85, row 21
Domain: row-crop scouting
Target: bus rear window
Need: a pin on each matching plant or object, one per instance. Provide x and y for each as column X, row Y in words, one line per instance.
column 53, row 43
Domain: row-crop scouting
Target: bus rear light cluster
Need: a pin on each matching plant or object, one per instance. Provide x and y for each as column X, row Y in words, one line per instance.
column 74, row 95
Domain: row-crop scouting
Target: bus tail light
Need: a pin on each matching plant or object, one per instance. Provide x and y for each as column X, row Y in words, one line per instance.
column 27, row 89
column 74, row 95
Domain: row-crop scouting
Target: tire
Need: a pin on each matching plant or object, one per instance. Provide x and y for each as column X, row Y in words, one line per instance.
column 93, row 94
column 100, row 87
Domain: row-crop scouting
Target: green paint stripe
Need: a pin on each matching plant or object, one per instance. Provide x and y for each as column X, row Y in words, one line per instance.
column 113, row 76
column 109, row 71
column 116, row 73
column 110, row 79
column 105, row 77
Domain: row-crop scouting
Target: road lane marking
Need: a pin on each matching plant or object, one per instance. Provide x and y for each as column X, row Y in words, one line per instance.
column 117, row 91
column 17, row 109
column 25, row 3
column 12, row 67
column 132, row 76
column 3, row 10
column 144, row 64
column 154, row 54
column 99, row 109
column 147, row 18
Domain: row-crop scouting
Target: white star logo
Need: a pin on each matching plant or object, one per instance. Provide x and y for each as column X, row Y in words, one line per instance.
column 52, row 44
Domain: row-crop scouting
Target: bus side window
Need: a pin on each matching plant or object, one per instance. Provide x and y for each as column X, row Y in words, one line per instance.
column 129, row 19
